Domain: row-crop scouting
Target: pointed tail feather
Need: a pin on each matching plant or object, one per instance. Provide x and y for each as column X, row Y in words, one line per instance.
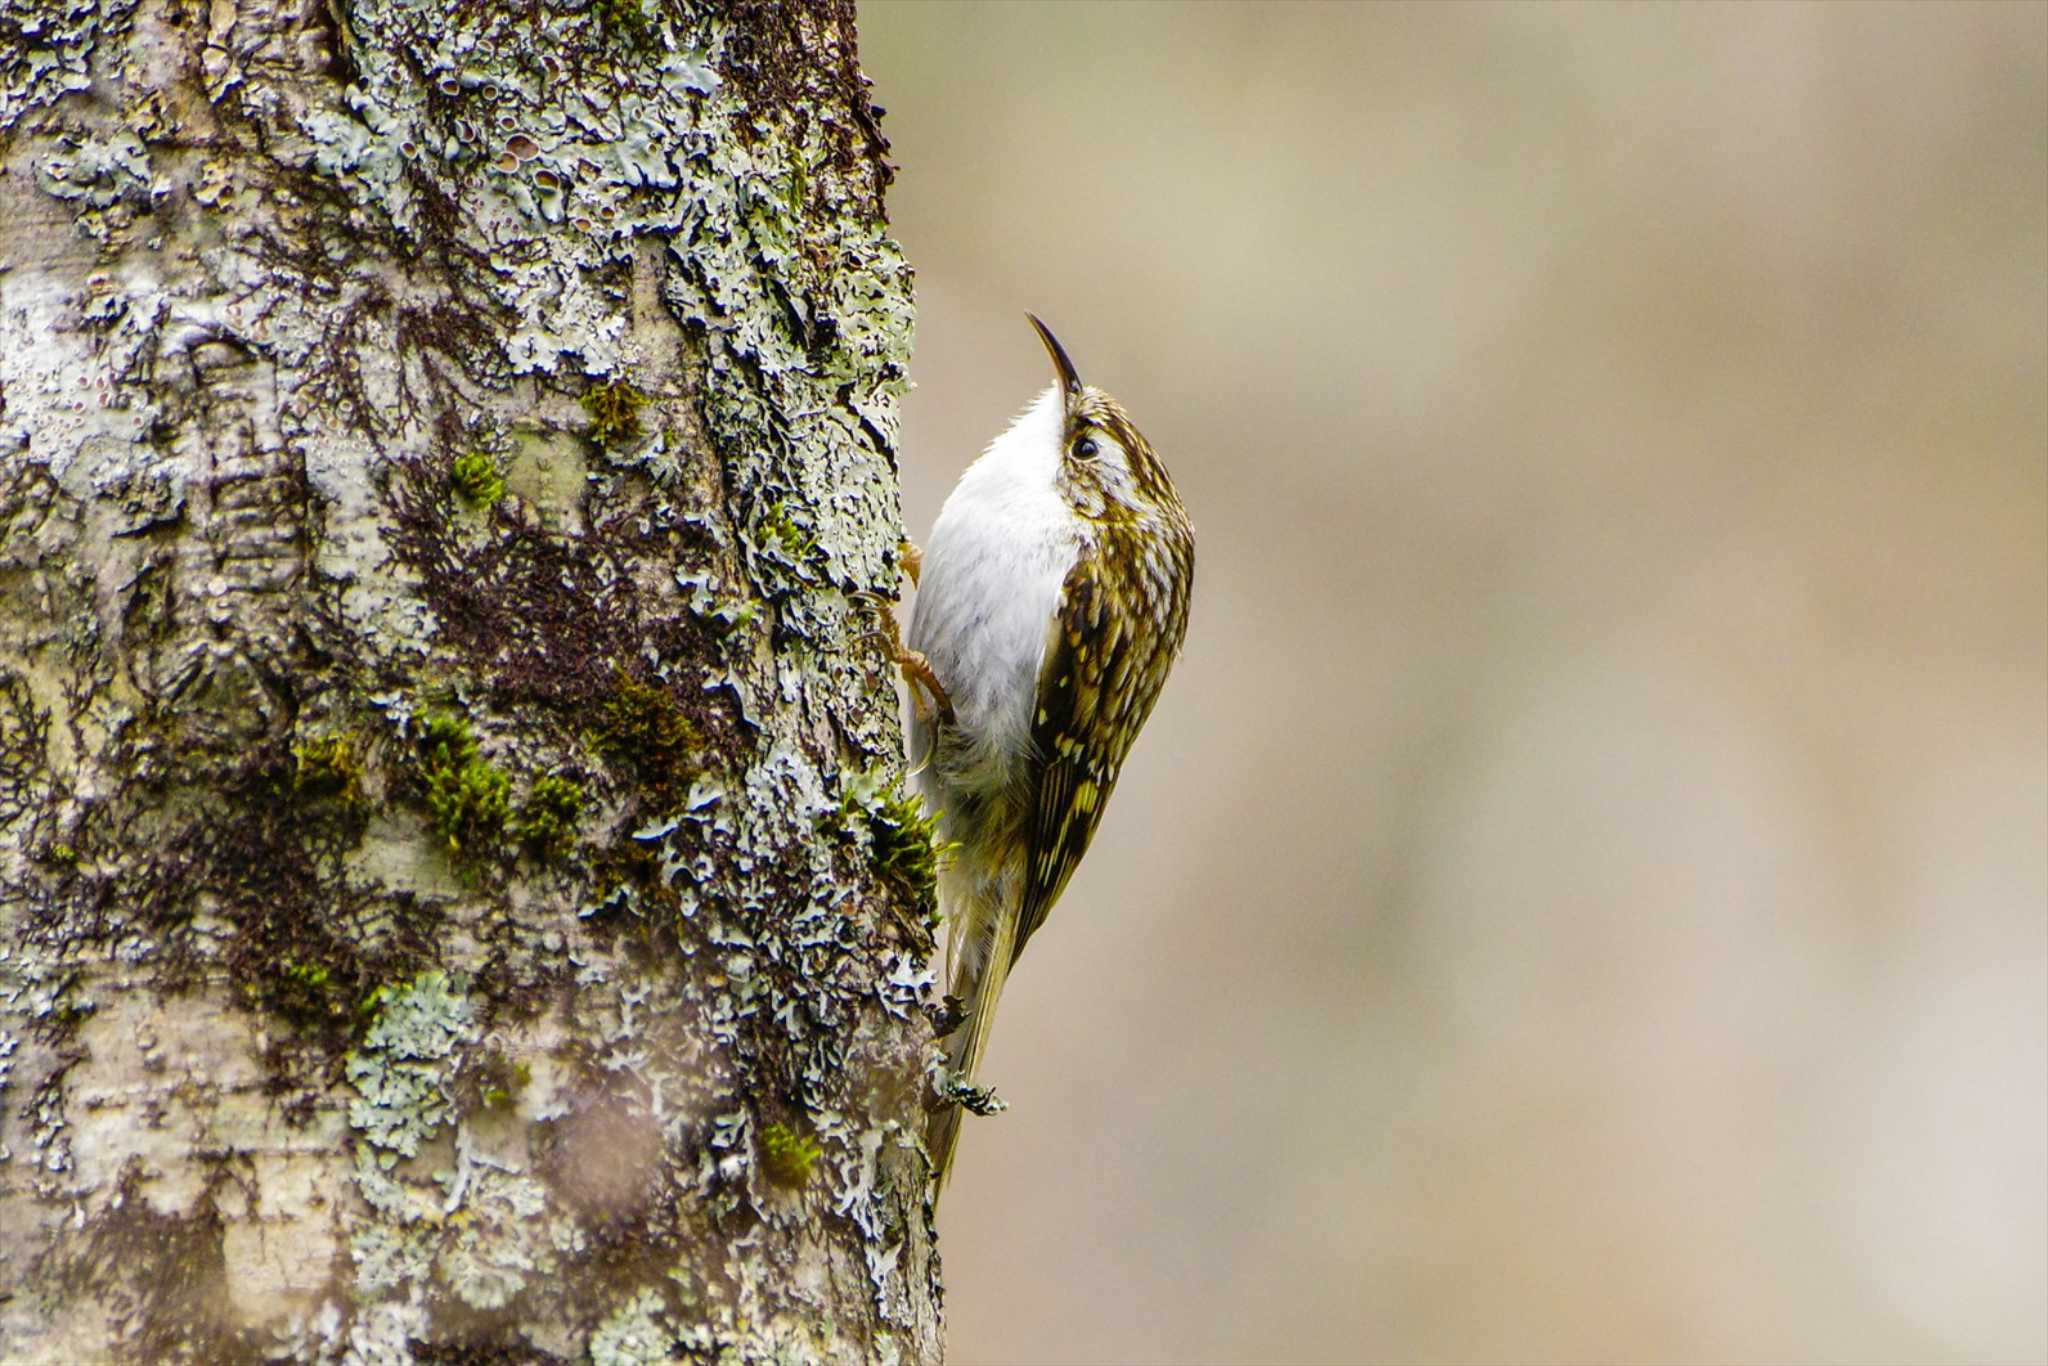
column 983, row 953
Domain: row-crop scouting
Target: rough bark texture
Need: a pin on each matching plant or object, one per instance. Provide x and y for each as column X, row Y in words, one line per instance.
column 456, row 897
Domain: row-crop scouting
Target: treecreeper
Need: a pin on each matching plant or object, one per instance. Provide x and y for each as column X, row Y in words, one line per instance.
column 1052, row 600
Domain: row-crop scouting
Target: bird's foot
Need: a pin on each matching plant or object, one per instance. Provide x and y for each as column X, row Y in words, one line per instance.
column 916, row 669
column 913, row 560
column 950, row 1088
column 975, row 1100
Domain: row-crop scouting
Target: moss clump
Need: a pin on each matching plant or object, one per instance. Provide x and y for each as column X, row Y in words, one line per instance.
column 643, row 724
column 302, row 993
column 903, row 840
column 788, row 1156
column 902, row 844
column 906, row 842
column 614, row 409
column 469, row 803
column 476, row 477
column 625, row 22
column 469, row 796
column 548, row 816
column 782, row 530
column 446, row 739
column 329, row 767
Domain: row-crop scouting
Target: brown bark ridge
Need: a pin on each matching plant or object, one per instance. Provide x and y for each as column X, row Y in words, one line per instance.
column 457, row 899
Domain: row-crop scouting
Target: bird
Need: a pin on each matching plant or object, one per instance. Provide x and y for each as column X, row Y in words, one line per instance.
column 1052, row 600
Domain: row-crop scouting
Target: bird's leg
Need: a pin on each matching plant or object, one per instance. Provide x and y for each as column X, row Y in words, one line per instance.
column 913, row 560
column 917, row 670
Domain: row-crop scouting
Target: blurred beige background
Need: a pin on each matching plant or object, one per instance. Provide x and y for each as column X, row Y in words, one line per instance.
column 1584, row 895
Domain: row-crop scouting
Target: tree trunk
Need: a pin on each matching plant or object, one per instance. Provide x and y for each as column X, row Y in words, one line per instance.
column 456, row 894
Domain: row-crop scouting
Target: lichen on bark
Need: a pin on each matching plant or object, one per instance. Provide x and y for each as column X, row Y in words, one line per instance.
column 310, row 967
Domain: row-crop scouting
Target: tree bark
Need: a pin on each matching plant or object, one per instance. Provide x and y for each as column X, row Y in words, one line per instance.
column 456, row 894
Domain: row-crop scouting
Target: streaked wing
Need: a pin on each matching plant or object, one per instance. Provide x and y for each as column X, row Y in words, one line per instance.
column 1123, row 612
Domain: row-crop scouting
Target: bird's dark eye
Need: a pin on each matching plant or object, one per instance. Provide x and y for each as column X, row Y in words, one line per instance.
column 1086, row 449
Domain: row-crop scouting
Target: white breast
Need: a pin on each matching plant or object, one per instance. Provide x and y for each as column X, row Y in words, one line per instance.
column 993, row 569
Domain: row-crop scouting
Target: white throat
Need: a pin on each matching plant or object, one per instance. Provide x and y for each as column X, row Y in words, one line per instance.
column 993, row 570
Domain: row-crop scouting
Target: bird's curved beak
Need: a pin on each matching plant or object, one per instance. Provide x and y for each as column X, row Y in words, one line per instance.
column 1070, row 383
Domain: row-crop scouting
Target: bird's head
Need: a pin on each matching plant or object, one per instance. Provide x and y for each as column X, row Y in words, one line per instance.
column 1107, row 469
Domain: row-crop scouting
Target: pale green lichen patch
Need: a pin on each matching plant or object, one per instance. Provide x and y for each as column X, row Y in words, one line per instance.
column 484, row 1260
column 482, row 88
column 108, row 178
column 823, row 373
column 634, row 1334
column 779, row 253
column 399, row 1072
column 465, row 1222
column 46, row 47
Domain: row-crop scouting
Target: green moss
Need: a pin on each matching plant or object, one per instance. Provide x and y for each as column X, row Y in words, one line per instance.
column 302, row 995
column 469, row 803
column 329, row 767
column 642, row 724
column 468, row 796
column 906, row 843
column 788, row 1156
column 445, row 739
column 476, row 477
column 548, row 816
column 903, row 840
column 782, row 530
column 614, row 409
column 626, row 23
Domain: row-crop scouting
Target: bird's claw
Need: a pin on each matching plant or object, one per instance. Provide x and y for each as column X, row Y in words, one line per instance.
column 916, row 669
column 975, row 1100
